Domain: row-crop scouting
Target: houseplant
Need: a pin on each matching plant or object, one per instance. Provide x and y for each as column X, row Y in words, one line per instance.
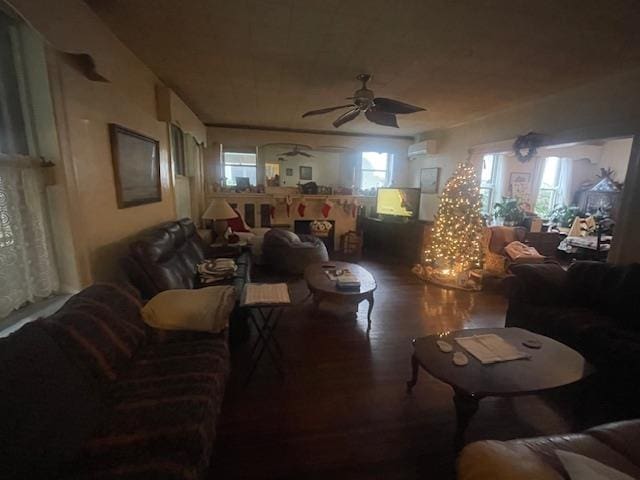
column 563, row 216
column 510, row 211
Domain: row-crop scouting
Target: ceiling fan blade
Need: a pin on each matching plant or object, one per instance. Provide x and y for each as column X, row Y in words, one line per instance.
column 305, row 154
column 394, row 106
column 346, row 117
column 381, row 118
column 326, row 110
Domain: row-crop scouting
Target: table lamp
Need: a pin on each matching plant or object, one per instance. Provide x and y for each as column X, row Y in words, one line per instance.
column 218, row 209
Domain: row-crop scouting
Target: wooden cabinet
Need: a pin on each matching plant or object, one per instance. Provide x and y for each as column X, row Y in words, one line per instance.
column 401, row 240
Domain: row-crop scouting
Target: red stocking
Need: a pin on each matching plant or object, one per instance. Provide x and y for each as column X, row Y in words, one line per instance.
column 301, row 207
column 354, row 209
column 272, row 212
column 326, row 208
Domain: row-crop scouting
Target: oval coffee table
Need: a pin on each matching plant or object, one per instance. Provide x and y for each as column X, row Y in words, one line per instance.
column 551, row 366
column 323, row 288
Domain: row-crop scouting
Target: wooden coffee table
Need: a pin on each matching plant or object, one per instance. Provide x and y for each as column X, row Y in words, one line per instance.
column 323, row 288
column 551, row 366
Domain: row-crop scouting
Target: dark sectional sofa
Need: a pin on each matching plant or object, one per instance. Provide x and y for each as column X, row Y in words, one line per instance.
column 593, row 307
column 92, row 392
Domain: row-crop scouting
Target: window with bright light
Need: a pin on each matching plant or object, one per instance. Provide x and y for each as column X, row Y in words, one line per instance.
column 548, row 191
column 488, row 181
column 374, row 171
column 239, row 164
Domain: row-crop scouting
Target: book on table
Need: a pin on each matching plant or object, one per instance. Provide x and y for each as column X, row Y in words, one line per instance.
column 490, row 348
column 266, row 294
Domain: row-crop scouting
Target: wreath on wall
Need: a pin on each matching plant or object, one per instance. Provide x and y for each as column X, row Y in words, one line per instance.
column 526, row 146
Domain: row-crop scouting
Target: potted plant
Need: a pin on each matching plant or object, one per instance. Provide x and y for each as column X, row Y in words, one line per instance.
column 563, row 216
column 510, row 211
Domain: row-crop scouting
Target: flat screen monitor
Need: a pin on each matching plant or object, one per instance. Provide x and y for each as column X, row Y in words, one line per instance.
column 398, row 202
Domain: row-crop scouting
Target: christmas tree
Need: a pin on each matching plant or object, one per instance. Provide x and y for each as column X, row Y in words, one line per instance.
column 456, row 248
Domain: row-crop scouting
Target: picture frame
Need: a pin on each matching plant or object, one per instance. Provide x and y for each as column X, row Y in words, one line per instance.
column 429, row 180
column 289, row 172
column 136, row 167
column 306, row 173
column 519, row 177
column 243, row 183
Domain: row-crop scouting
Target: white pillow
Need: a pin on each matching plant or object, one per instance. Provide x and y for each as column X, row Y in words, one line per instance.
column 580, row 467
column 205, row 309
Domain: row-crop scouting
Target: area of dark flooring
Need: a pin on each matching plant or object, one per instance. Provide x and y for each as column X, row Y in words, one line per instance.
column 340, row 410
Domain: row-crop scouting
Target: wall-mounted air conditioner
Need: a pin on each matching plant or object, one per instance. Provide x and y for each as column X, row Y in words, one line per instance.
column 426, row 147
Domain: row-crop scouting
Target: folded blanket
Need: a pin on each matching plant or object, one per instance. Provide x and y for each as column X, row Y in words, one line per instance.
column 518, row 252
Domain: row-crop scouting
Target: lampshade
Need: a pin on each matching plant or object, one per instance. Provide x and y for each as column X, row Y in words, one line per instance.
column 219, row 209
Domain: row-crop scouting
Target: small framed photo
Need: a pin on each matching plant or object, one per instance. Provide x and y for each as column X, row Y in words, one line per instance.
column 429, row 180
column 289, row 172
column 306, row 173
column 136, row 167
column 519, row 177
column 243, row 183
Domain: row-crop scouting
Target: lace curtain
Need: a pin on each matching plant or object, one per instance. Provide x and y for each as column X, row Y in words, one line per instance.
column 27, row 266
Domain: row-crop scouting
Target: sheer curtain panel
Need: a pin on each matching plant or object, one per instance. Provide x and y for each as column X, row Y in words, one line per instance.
column 27, row 266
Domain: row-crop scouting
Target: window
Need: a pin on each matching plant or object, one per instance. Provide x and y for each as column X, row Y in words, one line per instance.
column 177, row 150
column 239, row 164
column 548, row 191
column 374, row 170
column 489, row 181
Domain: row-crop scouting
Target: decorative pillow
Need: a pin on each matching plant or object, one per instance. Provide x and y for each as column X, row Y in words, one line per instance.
column 205, row 309
column 237, row 224
column 580, row 467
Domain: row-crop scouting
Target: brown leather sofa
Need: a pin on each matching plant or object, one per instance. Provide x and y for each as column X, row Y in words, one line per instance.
column 165, row 258
column 290, row 253
column 616, row 445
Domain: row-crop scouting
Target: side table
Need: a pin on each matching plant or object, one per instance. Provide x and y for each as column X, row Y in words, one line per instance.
column 265, row 318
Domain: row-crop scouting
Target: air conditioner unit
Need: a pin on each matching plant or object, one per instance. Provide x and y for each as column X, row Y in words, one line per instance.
column 426, row 147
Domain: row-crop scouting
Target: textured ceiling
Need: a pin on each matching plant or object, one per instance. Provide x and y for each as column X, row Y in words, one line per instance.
column 265, row 62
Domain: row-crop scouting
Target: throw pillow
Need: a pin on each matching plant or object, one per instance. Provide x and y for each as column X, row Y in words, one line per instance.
column 580, row 467
column 205, row 309
column 237, row 224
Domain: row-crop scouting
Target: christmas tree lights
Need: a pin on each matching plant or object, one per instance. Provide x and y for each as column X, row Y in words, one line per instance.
column 455, row 250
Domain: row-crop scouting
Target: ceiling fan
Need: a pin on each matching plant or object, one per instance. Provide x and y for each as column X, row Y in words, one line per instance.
column 378, row 110
column 297, row 150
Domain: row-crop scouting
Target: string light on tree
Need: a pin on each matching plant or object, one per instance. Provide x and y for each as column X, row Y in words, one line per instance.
column 456, row 249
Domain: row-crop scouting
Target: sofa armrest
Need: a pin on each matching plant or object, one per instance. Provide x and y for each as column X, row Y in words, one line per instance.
column 537, row 284
column 491, row 460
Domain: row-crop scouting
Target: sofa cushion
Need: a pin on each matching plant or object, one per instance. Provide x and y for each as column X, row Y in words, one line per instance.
column 237, row 224
column 100, row 328
column 539, row 284
column 48, row 406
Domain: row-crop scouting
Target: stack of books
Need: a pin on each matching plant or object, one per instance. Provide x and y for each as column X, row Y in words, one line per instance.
column 347, row 281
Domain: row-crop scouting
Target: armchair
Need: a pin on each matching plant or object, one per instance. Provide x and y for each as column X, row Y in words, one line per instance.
column 494, row 240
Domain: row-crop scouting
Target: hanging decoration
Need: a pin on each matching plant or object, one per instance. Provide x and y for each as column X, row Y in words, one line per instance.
column 326, row 208
column 355, row 205
column 288, row 202
column 526, row 146
column 302, row 206
column 454, row 256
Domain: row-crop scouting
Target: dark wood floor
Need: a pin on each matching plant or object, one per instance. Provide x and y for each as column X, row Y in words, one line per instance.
column 341, row 410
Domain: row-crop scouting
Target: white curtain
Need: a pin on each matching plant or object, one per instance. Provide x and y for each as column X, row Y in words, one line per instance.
column 27, row 265
column 536, row 179
column 564, row 182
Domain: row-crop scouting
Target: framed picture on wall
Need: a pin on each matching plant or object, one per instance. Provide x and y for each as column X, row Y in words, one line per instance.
column 306, row 173
column 519, row 177
column 429, row 180
column 136, row 167
column 289, row 172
